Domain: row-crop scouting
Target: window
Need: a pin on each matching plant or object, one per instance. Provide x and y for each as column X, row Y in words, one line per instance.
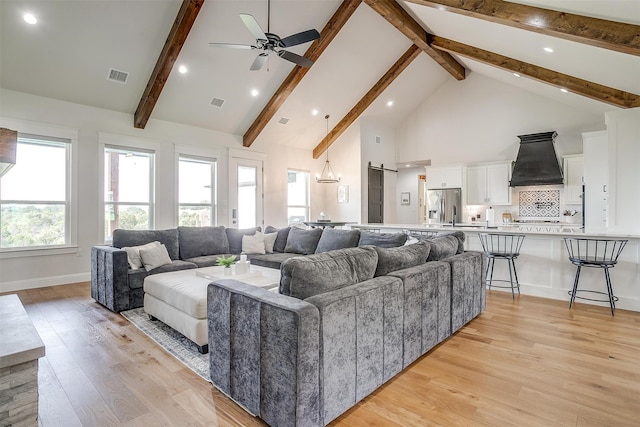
column 298, row 196
column 128, row 189
column 196, row 191
column 34, row 194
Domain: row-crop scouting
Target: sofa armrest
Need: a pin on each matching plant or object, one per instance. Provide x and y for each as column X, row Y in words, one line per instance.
column 468, row 278
column 264, row 352
column 109, row 277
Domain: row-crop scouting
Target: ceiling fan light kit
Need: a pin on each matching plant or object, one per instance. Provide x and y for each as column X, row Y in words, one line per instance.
column 269, row 42
column 327, row 176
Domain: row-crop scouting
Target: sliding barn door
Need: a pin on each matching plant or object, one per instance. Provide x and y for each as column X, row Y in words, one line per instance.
column 376, row 196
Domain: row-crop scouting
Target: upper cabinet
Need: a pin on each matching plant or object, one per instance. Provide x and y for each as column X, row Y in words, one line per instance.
column 444, row 177
column 488, row 184
column 573, row 166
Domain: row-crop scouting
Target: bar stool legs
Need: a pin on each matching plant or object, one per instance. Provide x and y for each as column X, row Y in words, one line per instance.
column 504, row 246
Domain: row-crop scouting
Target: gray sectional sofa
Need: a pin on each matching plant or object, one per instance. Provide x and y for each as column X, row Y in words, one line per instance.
column 118, row 287
column 343, row 323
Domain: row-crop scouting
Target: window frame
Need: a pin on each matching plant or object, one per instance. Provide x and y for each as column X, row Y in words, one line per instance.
column 214, row 187
column 306, row 207
column 151, row 202
column 69, row 137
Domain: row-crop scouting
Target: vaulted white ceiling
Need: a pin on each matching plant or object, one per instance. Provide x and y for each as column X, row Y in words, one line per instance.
column 68, row 54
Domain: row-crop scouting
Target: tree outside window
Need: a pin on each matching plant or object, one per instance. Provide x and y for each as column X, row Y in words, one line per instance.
column 128, row 189
column 196, row 191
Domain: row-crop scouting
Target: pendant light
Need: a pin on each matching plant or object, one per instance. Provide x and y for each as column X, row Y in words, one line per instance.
column 327, row 176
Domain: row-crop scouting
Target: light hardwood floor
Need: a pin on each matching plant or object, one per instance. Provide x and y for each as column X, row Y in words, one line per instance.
column 532, row 362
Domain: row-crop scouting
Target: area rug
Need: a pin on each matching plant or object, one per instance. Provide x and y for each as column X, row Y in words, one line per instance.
column 181, row 347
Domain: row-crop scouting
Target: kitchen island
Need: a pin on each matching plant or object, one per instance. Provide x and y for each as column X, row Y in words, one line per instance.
column 543, row 265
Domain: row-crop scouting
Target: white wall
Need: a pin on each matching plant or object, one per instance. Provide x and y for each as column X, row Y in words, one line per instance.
column 478, row 120
column 407, row 181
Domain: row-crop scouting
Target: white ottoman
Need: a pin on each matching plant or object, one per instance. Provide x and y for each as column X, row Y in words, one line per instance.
column 179, row 298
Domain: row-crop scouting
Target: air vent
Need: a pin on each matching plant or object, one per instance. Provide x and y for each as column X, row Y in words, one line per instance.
column 118, row 76
column 217, row 102
column 283, row 121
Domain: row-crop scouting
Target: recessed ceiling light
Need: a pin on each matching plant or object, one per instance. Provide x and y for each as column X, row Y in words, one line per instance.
column 30, row 19
column 408, row 166
column 314, row 112
column 182, row 69
column 254, row 92
column 389, row 103
column 564, row 90
column 548, row 50
column 516, row 74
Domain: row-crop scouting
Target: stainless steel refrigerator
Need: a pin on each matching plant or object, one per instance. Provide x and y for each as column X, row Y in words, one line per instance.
column 443, row 206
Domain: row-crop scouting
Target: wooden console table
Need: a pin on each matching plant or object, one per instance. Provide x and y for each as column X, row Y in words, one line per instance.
column 20, row 349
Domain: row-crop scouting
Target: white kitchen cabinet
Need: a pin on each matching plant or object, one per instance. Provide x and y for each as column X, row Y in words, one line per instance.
column 488, row 184
column 596, row 180
column 573, row 167
column 444, row 177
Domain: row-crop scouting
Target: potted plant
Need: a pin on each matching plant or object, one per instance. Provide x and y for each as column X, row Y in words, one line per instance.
column 227, row 262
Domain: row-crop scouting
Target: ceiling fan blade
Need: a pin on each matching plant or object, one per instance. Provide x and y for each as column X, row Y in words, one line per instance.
column 253, row 26
column 295, row 58
column 259, row 62
column 303, row 37
column 232, row 45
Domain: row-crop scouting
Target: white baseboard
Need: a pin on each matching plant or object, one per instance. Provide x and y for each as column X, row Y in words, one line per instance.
column 41, row 282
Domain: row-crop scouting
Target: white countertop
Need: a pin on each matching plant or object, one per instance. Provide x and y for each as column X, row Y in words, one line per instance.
column 19, row 339
column 556, row 229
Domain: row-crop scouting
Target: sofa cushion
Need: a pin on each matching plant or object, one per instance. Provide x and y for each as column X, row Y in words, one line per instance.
column 269, row 242
column 201, row 241
column 442, row 247
column 332, row 239
column 384, row 240
column 169, row 238
column 458, row 235
column 133, row 254
column 303, row 277
column 136, row 277
column 281, row 239
column 234, row 235
column 253, row 244
column 393, row 259
column 273, row 260
column 302, row 241
column 154, row 257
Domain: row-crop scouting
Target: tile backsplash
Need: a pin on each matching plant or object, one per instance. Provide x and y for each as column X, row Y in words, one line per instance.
column 539, row 203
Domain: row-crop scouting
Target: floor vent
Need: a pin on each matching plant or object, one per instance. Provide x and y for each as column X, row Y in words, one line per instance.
column 283, row 121
column 217, row 102
column 118, row 76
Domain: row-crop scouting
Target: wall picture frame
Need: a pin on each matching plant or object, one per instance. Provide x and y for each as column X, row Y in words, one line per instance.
column 405, row 198
column 343, row 193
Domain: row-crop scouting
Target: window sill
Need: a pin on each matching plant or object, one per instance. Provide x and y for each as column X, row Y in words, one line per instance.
column 29, row 252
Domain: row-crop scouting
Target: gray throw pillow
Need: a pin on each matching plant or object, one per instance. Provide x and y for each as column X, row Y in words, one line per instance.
column 302, row 241
column 303, row 277
column 281, row 240
column 202, row 241
column 443, row 247
column 234, row 235
column 383, row 240
column 459, row 235
column 332, row 239
column 393, row 259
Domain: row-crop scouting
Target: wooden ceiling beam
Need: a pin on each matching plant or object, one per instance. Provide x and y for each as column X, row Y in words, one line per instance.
column 399, row 18
column 396, row 69
column 329, row 32
column 612, row 35
column 168, row 56
column 586, row 88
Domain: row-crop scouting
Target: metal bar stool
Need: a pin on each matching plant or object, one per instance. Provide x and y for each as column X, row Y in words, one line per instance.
column 598, row 253
column 503, row 246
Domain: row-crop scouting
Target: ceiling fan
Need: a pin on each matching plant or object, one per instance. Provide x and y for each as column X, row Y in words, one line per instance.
column 270, row 42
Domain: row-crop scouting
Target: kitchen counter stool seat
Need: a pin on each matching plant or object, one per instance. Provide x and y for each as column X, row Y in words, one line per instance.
column 502, row 246
column 595, row 253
